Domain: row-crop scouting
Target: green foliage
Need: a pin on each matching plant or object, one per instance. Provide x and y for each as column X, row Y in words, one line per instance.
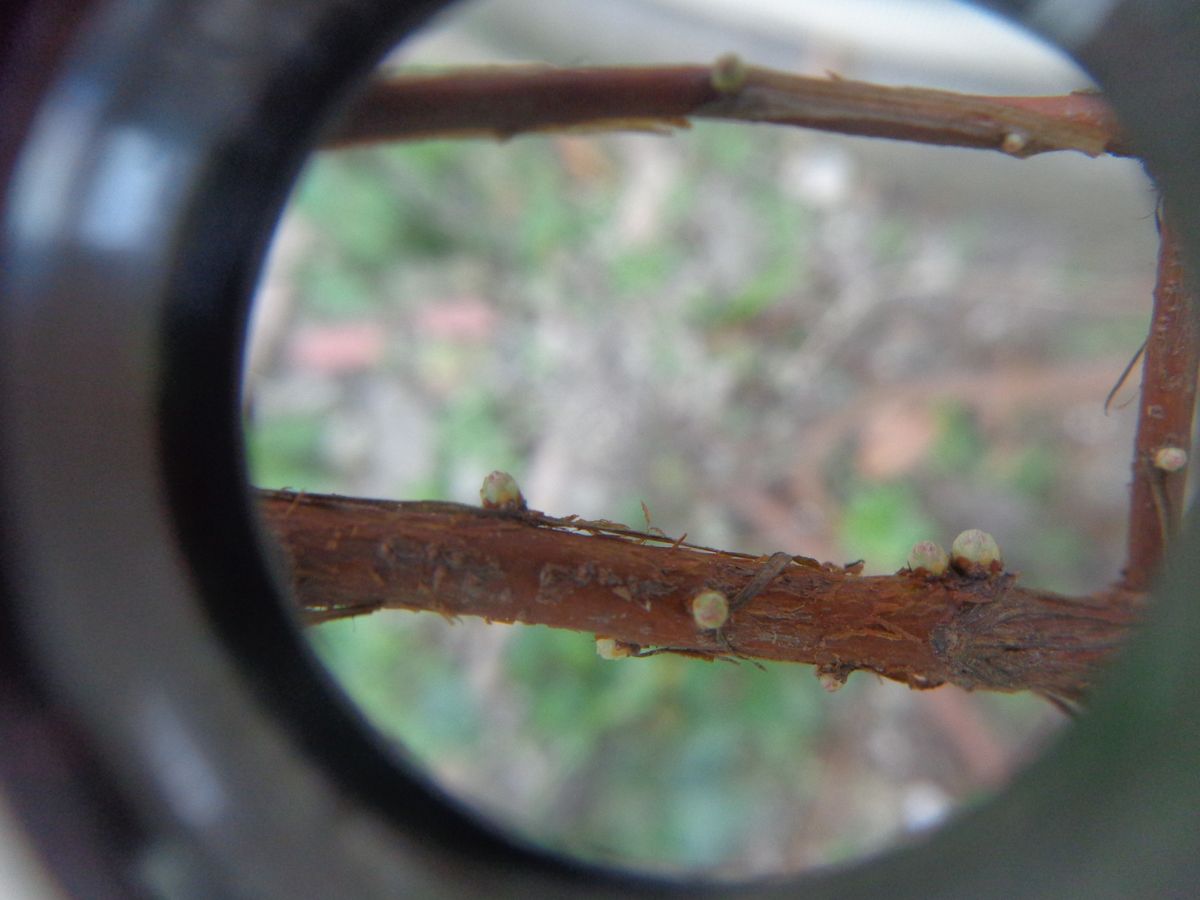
column 669, row 760
column 336, row 291
column 892, row 240
column 960, row 445
column 882, row 522
column 641, row 271
column 282, row 452
column 1089, row 339
column 551, row 217
column 727, row 148
column 1034, row 471
column 372, row 226
column 472, row 435
column 408, row 687
column 1050, row 555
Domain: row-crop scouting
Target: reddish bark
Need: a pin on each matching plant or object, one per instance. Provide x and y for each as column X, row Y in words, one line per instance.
column 502, row 101
column 348, row 556
column 1168, row 401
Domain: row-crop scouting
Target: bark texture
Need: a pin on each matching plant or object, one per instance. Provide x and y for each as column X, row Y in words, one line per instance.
column 1165, row 415
column 348, row 556
column 503, row 101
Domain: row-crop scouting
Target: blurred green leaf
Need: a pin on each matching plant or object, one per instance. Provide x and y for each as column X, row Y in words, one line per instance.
column 731, row 149
column 335, row 291
column 369, row 218
column 641, row 271
column 1088, row 338
column 1035, row 471
column 1052, row 555
column 282, row 452
column 959, row 447
column 881, row 523
column 472, row 435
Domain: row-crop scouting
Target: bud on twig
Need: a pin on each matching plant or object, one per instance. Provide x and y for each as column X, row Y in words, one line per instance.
column 1170, row 459
column 728, row 74
column 831, row 681
column 500, row 491
column 609, row 648
column 976, row 554
column 928, row 556
column 710, row 609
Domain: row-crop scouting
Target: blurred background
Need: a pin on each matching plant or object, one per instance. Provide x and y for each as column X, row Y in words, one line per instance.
column 777, row 340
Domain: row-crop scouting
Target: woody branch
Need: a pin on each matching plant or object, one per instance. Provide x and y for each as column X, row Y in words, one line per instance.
column 350, row 556
column 503, row 101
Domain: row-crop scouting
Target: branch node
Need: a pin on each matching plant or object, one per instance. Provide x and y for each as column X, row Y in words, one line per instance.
column 1170, row 459
column 728, row 74
column 710, row 610
column 1015, row 143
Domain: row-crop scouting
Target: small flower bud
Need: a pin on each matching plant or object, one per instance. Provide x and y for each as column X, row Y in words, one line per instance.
column 710, row 609
column 610, row 648
column 976, row 553
column 500, row 491
column 928, row 556
column 1170, row 459
column 728, row 74
column 831, row 681
column 1014, row 143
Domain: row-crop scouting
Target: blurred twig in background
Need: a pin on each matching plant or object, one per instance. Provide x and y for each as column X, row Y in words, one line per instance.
column 503, row 101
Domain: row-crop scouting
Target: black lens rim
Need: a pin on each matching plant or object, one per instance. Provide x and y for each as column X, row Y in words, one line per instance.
column 133, row 561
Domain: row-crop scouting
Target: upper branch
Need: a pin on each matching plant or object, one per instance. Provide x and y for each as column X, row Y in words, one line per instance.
column 348, row 556
column 502, row 101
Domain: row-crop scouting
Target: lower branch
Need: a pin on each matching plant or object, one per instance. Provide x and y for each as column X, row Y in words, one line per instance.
column 348, row 556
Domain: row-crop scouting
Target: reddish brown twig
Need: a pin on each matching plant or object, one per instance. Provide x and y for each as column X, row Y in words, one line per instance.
column 1164, row 429
column 502, row 101
column 350, row 556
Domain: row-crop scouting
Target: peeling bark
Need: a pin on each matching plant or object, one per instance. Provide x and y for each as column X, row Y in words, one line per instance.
column 348, row 556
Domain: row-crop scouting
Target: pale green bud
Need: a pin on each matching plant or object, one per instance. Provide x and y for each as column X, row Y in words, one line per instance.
column 500, row 491
column 1170, row 459
column 976, row 553
column 928, row 556
column 710, row 609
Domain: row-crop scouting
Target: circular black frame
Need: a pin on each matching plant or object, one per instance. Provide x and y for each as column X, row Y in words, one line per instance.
column 163, row 728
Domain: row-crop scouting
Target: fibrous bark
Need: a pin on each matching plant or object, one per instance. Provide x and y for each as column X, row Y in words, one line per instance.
column 348, row 556
column 503, row 101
